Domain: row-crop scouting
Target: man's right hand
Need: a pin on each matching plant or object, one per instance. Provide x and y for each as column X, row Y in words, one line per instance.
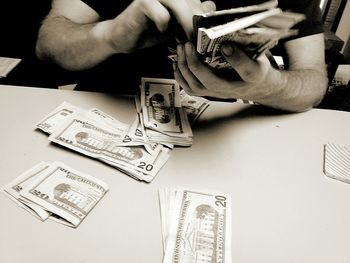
column 74, row 37
column 143, row 22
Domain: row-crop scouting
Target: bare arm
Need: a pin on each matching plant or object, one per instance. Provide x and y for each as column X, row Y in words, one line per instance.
column 296, row 89
column 68, row 36
column 73, row 36
column 304, row 83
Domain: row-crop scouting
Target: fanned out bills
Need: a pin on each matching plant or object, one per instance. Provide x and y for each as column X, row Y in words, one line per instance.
column 98, row 135
column 255, row 29
column 139, row 149
column 196, row 225
column 56, row 191
column 194, row 106
column 337, row 162
column 162, row 117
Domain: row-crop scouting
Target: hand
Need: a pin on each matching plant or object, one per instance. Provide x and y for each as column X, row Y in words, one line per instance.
column 143, row 22
column 259, row 81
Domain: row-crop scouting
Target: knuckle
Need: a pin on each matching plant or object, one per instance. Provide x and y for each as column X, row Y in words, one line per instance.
column 181, row 63
column 164, row 18
column 144, row 3
column 140, row 4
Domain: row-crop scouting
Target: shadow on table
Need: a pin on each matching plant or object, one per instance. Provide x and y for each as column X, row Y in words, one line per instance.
column 248, row 112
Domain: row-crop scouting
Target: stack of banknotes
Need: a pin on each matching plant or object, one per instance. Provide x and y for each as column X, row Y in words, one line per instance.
column 161, row 113
column 139, row 149
column 56, row 191
column 255, row 29
column 196, row 225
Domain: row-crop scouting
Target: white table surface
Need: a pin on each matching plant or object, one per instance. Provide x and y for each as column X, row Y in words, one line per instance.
column 284, row 209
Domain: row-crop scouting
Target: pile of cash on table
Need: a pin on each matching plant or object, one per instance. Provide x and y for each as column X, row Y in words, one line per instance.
column 139, row 149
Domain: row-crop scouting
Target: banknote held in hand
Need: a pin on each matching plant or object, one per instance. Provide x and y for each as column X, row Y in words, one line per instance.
column 255, row 29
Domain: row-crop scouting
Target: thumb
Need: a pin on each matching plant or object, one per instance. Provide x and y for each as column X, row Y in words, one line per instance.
column 208, row 6
column 248, row 69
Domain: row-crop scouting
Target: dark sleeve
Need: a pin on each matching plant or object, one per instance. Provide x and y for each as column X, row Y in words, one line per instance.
column 313, row 23
column 311, row 8
column 108, row 9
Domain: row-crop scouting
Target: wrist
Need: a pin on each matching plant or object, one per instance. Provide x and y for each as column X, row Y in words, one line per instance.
column 273, row 89
column 101, row 33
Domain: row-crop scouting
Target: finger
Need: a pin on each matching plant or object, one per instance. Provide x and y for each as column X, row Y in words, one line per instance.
column 157, row 13
column 179, row 78
column 195, row 5
column 183, row 12
column 208, row 6
column 192, row 81
column 201, row 71
column 249, row 70
column 183, row 84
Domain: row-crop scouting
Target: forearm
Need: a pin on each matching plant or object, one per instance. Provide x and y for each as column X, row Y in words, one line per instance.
column 76, row 47
column 297, row 90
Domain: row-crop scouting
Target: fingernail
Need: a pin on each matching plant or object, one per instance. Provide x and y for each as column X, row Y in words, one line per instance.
column 227, row 50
